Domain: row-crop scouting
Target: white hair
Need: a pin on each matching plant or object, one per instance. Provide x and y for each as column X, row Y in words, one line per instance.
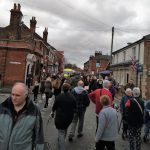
column 128, row 90
column 136, row 92
column 23, row 85
column 106, row 84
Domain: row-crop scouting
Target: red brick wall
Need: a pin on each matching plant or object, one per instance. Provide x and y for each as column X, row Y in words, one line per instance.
column 15, row 72
column 103, row 65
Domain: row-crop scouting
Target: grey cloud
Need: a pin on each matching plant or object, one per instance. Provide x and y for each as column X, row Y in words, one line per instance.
column 80, row 28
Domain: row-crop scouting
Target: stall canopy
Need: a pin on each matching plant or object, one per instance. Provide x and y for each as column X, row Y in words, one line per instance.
column 106, row 72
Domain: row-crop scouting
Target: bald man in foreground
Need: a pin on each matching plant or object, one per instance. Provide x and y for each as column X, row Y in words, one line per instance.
column 21, row 126
column 82, row 101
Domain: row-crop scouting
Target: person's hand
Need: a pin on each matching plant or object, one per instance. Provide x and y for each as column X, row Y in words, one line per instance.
column 52, row 114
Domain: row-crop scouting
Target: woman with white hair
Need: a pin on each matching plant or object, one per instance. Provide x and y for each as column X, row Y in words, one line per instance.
column 124, row 99
column 135, row 112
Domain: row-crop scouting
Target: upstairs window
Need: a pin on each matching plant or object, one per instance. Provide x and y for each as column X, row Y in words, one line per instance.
column 134, row 52
column 117, row 58
column 124, row 55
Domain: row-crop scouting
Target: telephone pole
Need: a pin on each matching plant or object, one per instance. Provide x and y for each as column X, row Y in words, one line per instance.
column 112, row 40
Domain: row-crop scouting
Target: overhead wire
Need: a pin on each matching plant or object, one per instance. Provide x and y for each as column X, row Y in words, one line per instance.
column 95, row 20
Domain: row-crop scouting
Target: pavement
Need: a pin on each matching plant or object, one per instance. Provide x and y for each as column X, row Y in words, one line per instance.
column 84, row 143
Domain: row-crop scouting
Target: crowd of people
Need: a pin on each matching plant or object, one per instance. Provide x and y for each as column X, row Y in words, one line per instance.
column 22, row 122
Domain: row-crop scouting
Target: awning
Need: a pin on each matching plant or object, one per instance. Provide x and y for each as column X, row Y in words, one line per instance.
column 106, row 72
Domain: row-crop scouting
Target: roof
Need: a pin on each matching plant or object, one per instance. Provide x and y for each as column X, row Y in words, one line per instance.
column 126, row 63
column 146, row 37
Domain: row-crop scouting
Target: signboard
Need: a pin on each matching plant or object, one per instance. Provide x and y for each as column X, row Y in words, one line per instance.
column 97, row 65
column 15, row 62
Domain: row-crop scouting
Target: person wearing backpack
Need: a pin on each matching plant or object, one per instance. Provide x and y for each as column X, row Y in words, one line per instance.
column 82, row 101
column 134, row 115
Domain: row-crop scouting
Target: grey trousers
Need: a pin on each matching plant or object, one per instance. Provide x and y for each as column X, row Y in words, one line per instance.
column 61, row 139
column 78, row 117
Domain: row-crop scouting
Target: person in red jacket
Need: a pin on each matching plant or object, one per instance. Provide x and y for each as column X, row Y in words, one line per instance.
column 95, row 98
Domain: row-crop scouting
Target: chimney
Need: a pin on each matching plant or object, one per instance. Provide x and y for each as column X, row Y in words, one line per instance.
column 45, row 34
column 16, row 15
column 98, row 53
column 33, row 24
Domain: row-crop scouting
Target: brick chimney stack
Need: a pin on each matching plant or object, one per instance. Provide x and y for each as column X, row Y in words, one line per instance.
column 45, row 34
column 16, row 15
column 33, row 24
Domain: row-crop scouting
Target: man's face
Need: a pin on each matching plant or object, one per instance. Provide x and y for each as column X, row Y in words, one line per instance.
column 18, row 95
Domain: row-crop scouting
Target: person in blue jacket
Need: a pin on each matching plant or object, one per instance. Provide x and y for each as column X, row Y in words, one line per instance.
column 146, row 120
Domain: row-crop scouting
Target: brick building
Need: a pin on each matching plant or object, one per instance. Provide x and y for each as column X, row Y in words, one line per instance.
column 96, row 63
column 24, row 55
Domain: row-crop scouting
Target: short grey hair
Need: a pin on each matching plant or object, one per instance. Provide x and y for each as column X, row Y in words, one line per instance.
column 136, row 92
column 128, row 90
column 23, row 85
column 80, row 83
column 106, row 84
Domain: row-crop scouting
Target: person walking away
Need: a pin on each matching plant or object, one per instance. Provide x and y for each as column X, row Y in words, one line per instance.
column 57, row 86
column 134, row 113
column 48, row 91
column 42, row 87
column 82, row 101
column 35, row 90
column 86, row 81
column 112, row 90
column 124, row 99
column 93, row 84
column 108, row 128
column 146, row 121
column 63, row 108
column 21, row 121
column 95, row 96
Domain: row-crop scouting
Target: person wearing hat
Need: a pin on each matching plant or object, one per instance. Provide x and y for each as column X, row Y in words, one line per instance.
column 63, row 110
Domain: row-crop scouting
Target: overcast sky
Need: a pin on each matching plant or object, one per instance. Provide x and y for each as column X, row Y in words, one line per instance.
column 81, row 27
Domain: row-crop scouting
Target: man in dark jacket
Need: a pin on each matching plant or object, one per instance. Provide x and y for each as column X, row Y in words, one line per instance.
column 64, row 106
column 21, row 122
column 82, row 101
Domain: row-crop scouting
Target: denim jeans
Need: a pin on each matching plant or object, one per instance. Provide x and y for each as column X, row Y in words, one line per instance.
column 61, row 139
column 146, row 129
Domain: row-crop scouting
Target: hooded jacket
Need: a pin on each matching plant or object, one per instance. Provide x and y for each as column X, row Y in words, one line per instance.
column 82, row 99
column 26, row 133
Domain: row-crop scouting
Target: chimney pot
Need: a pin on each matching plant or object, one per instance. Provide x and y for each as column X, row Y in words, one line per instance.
column 19, row 6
